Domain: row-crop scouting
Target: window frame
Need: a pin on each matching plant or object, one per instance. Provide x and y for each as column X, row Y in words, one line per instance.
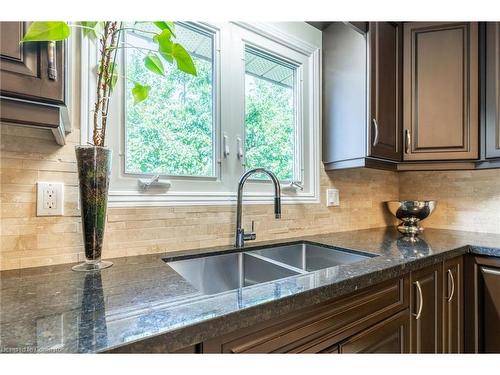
column 218, row 190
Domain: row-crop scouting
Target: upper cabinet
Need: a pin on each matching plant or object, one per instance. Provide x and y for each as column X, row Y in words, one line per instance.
column 406, row 96
column 385, row 89
column 492, row 83
column 32, row 81
column 441, row 97
column 362, row 85
column 33, row 71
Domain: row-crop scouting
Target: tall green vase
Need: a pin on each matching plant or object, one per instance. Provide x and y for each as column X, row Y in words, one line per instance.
column 94, row 169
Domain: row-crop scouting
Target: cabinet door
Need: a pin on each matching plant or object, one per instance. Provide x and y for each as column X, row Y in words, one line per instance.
column 493, row 90
column 482, row 328
column 385, row 89
column 440, row 91
column 426, row 307
column 25, row 66
column 453, row 306
column 389, row 336
column 490, row 308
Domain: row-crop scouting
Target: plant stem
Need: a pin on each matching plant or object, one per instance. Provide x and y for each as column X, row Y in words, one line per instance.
column 98, row 104
column 108, row 69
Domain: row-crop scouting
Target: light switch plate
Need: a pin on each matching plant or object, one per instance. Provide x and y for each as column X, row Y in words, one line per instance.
column 50, row 199
column 332, row 197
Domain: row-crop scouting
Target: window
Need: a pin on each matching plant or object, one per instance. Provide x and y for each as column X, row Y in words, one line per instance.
column 172, row 133
column 254, row 103
column 270, row 115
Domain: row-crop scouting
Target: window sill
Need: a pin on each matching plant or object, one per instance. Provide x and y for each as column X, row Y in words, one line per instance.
column 136, row 199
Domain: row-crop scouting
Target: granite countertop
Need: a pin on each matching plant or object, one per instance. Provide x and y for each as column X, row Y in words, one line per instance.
column 141, row 299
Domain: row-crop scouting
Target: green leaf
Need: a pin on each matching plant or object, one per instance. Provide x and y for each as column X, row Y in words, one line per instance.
column 165, row 45
column 183, row 59
column 154, row 64
column 89, row 29
column 42, row 31
column 165, row 25
column 140, row 92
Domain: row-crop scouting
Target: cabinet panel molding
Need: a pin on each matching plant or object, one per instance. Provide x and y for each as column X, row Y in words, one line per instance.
column 441, row 118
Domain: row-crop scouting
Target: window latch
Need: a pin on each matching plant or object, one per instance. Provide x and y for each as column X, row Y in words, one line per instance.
column 239, row 147
column 225, row 145
column 145, row 184
column 293, row 186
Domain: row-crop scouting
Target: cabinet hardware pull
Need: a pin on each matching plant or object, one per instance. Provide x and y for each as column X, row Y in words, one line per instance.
column 407, row 141
column 491, row 271
column 450, row 276
column 420, row 301
column 375, row 138
column 51, row 57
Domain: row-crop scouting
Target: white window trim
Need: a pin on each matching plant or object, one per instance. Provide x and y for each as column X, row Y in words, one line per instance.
column 172, row 198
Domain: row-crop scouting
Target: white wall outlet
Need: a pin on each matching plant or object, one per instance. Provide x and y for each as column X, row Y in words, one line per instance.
column 50, row 199
column 332, row 197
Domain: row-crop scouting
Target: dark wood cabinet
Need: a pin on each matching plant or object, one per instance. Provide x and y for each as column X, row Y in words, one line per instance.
column 389, row 336
column 453, row 305
column 33, row 81
column 32, row 71
column 492, row 87
column 322, row 329
column 362, row 84
column 441, row 97
column 385, row 50
column 426, row 307
column 482, row 328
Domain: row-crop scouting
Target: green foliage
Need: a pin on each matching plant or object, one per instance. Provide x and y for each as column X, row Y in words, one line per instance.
column 183, row 59
column 91, row 29
column 167, row 49
column 154, row 64
column 165, row 25
column 140, row 92
column 269, row 120
column 43, row 31
column 172, row 132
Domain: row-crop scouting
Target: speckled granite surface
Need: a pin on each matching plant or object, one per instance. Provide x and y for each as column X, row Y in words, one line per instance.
column 142, row 299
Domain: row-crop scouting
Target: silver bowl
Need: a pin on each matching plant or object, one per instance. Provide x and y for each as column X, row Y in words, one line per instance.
column 410, row 213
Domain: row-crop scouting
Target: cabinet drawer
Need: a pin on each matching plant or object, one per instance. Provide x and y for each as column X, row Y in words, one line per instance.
column 389, row 336
column 319, row 328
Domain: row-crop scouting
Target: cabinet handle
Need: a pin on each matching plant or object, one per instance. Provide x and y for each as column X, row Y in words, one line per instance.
column 51, row 57
column 491, row 271
column 375, row 138
column 407, row 141
column 420, row 301
column 450, row 277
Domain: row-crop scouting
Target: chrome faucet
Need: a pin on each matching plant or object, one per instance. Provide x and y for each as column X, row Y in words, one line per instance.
column 240, row 232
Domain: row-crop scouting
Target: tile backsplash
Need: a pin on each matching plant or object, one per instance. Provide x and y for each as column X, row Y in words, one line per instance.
column 29, row 155
column 467, row 200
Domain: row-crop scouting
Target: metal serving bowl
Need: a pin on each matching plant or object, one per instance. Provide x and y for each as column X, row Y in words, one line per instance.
column 410, row 213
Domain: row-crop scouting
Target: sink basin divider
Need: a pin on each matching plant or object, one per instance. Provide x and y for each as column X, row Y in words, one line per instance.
column 277, row 263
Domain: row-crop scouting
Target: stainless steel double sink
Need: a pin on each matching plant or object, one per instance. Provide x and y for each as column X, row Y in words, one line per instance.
column 219, row 273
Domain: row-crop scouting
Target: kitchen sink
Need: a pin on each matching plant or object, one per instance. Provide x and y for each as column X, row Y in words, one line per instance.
column 310, row 257
column 220, row 273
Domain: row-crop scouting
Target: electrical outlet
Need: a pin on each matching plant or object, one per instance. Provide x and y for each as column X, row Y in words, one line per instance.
column 332, row 197
column 50, row 199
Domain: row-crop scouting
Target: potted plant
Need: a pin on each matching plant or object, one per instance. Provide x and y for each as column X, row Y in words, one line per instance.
column 94, row 160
